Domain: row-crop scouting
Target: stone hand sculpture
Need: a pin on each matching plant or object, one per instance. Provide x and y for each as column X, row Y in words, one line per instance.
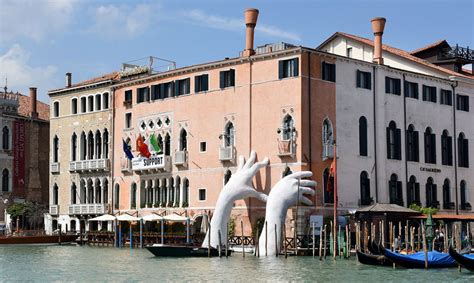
column 238, row 187
column 286, row 193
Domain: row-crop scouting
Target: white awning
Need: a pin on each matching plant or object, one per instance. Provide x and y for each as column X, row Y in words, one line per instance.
column 175, row 217
column 126, row 217
column 152, row 217
column 105, row 217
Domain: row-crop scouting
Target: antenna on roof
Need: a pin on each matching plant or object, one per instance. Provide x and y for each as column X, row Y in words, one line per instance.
column 6, row 82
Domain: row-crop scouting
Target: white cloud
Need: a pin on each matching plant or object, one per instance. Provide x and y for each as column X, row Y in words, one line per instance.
column 15, row 66
column 122, row 20
column 34, row 19
column 201, row 18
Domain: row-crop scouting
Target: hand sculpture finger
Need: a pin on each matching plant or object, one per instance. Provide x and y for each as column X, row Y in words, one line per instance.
column 250, row 161
column 299, row 175
column 258, row 195
column 307, row 183
column 257, row 166
column 305, row 200
column 307, row 191
column 241, row 162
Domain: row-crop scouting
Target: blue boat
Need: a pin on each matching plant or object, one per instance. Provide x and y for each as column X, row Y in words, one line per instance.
column 417, row 260
column 466, row 260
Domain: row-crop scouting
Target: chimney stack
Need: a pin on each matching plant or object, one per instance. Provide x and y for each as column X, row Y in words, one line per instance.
column 251, row 16
column 34, row 113
column 68, row 79
column 378, row 24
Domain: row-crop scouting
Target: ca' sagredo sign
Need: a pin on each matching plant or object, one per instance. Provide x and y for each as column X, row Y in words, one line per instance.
column 434, row 170
column 154, row 162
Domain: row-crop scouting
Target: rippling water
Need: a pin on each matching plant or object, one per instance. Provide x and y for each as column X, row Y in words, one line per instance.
column 86, row 264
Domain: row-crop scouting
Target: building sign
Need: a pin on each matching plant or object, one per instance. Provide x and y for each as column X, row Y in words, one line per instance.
column 19, row 158
column 134, row 70
column 434, row 170
column 154, row 162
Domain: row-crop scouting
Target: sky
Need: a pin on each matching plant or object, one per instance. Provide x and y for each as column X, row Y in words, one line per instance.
column 41, row 40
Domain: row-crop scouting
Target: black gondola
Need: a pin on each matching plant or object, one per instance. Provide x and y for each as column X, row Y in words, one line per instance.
column 375, row 248
column 373, row 259
column 466, row 261
column 183, row 251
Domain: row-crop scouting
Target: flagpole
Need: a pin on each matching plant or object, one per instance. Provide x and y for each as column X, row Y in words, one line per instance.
column 335, row 201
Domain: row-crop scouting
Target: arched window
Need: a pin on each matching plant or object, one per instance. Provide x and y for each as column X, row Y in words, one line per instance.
column 413, row 192
column 227, row 176
column 73, row 193
column 5, row 180
column 105, row 98
column 143, row 194
column 83, row 192
column 463, row 151
column 185, row 192
column 98, row 145
column 117, row 196
column 328, row 187
column 105, row 143
column 177, row 191
column 83, row 104
column 447, row 204
column 170, row 192
column 328, row 137
column 286, row 172
column 83, row 146
column 98, row 100
column 164, row 192
column 90, row 145
column 90, row 191
column 395, row 190
column 5, row 138
column 74, row 147
column 463, row 196
column 288, row 128
column 431, row 194
column 160, row 142
column 393, row 141
column 183, row 140
column 98, row 191
column 56, row 109
column 56, row 149
column 430, row 146
column 74, row 106
column 446, row 149
column 229, row 135
column 363, row 136
column 167, row 144
column 55, row 194
column 91, row 103
column 412, row 144
column 157, row 192
column 133, row 197
column 365, row 198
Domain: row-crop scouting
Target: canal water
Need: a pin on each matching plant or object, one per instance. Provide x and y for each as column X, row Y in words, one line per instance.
column 95, row 264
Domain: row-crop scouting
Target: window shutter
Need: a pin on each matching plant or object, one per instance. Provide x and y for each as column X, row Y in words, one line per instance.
column 222, row 79
column 467, row 104
column 161, row 93
column 398, row 144
column 280, row 69
column 147, row 94
column 405, row 89
column 433, row 148
column 188, row 86
column 368, row 77
column 232, row 77
column 205, row 82
column 358, row 78
column 435, row 192
column 416, row 146
column 176, row 88
column 387, row 85
column 434, row 95
column 417, row 192
column 424, row 93
column 297, row 67
column 450, row 150
column 399, row 192
column 196, row 82
column 389, row 154
column 416, row 90
column 153, row 92
column 466, row 152
column 333, row 73
column 323, row 71
column 399, row 87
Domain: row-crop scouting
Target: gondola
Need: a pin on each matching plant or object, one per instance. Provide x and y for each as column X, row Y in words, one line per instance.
column 375, row 248
column 466, row 260
column 38, row 240
column 417, row 260
column 379, row 260
column 183, row 251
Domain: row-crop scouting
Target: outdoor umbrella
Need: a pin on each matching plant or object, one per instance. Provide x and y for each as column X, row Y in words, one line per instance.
column 178, row 218
column 129, row 218
column 105, row 217
column 155, row 217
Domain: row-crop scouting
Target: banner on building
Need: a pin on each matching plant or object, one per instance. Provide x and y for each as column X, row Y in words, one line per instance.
column 154, row 162
column 19, row 144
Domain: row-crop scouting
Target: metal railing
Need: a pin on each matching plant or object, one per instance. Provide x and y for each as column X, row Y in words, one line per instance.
column 90, row 208
column 180, row 157
column 226, row 153
column 286, row 147
column 55, row 167
column 90, row 165
column 328, row 151
column 125, row 165
column 457, row 51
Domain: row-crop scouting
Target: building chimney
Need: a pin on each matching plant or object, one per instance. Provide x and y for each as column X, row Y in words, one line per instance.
column 378, row 24
column 251, row 16
column 34, row 113
column 68, row 79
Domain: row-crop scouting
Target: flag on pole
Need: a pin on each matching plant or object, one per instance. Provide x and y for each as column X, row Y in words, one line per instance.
column 332, row 173
column 142, row 147
column 154, row 143
column 127, row 151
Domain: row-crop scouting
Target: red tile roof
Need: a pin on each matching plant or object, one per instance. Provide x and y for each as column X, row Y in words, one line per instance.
column 429, row 46
column 111, row 76
column 24, row 108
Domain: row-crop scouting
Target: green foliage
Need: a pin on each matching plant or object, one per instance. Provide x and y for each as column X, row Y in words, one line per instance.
column 231, row 227
column 424, row 210
column 258, row 226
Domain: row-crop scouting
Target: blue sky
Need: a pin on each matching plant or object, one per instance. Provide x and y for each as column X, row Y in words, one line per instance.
column 41, row 40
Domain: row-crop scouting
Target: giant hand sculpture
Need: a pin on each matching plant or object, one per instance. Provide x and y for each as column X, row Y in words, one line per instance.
column 239, row 187
column 286, row 193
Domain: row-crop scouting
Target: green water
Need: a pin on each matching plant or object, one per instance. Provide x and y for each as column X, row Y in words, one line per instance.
column 93, row 264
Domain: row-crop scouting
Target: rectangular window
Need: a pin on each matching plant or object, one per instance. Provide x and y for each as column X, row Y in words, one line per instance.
column 74, row 106
column 128, row 96
column 364, row 79
column 429, row 93
column 168, row 90
column 56, row 109
column 349, row 52
column 201, row 83
column 227, row 78
column 202, row 194
column 155, row 92
column 392, row 85
column 446, row 97
column 463, row 102
column 128, row 120
column 202, row 147
column 143, row 94
column 329, row 72
column 83, row 104
column 411, row 89
column 182, row 87
column 288, row 68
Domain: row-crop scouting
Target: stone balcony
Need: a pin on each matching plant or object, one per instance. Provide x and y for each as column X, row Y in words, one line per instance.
column 55, row 168
column 286, row 148
column 89, row 165
column 227, row 153
column 181, row 158
column 54, row 209
column 90, row 208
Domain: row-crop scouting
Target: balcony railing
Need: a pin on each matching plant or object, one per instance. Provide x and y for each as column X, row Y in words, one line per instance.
column 456, row 52
column 54, row 209
column 91, row 208
column 466, row 206
column 55, row 168
column 89, row 165
column 286, row 148
column 328, row 151
column 180, row 157
column 449, row 205
column 226, row 153
column 125, row 165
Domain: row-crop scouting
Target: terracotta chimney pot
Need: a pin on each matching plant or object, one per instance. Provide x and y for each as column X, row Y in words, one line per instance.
column 378, row 25
column 251, row 16
column 34, row 113
column 68, row 79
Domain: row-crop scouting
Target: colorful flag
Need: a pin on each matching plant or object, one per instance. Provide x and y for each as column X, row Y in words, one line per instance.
column 142, row 147
column 127, row 151
column 332, row 173
column 155, row 144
